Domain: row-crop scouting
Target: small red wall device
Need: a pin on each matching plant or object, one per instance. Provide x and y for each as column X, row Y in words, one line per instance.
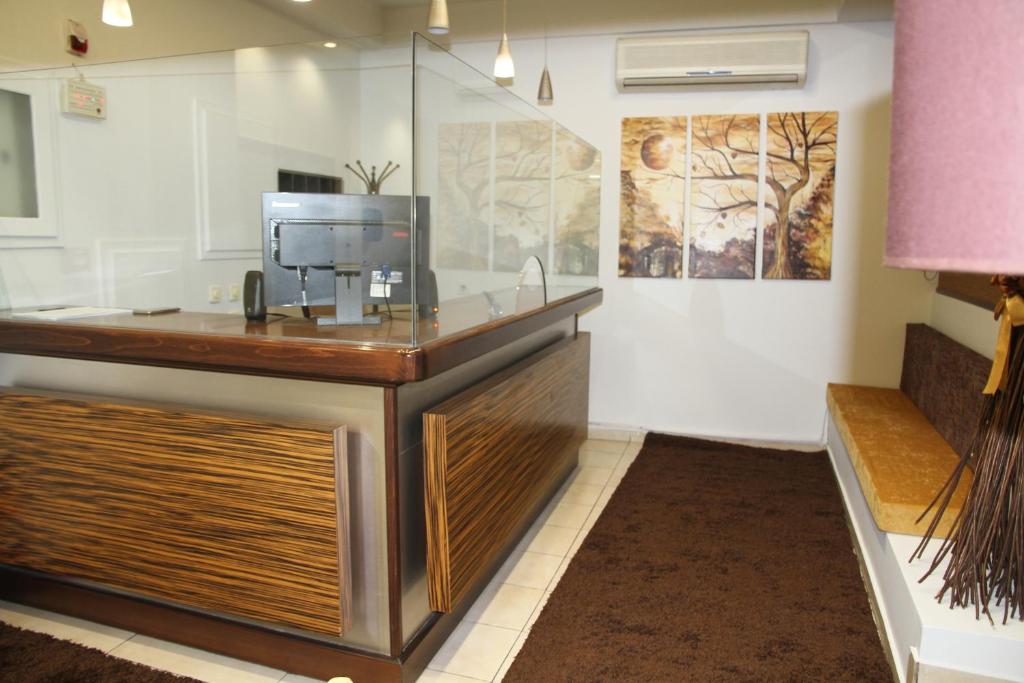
column 76, row 38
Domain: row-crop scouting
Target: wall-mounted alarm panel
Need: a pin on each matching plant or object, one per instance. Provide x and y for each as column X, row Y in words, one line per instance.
column 82, row 98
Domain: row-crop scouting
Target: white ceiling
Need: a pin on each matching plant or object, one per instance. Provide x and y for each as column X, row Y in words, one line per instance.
column 477, row 19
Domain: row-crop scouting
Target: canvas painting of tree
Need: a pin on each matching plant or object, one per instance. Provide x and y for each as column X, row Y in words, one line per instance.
column 577, row 203
column 522, row 192
column 653, row 177
column 464, row 195
column 723, row 196
column 800, row 177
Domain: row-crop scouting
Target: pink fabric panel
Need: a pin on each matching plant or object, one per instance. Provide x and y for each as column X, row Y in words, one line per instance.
column 956, row 188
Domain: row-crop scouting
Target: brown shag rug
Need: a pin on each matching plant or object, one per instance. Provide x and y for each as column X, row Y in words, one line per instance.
column 711, row 562
column 30, row 657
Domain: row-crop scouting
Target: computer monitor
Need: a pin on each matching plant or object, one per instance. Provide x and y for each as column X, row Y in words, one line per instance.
column 344, row 250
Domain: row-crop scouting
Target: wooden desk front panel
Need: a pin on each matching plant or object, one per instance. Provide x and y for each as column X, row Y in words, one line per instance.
column 234, row 514
column 491, row 452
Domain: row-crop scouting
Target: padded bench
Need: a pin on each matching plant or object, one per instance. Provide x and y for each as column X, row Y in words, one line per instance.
column 903, row 443
column 900, row 459
column 892, row 450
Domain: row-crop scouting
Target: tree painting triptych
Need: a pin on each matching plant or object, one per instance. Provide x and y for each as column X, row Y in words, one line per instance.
column 717, row 157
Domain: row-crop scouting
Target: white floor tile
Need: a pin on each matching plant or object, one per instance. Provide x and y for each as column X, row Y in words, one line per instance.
column 581, row 493
column 551, row 540
column 593, row 475
column 570, row 515
column 629, row 455
column 507, row 606
column 604, row 446
column 602, row 501
column 474, row 650
column 540, row 607
column 199, row 664
column 560, row 572
column 599, row 459
column 507, row 664
column 79, row 631
column 531, row 570
column 295, row 678
column 615, row 433
column 430, row 676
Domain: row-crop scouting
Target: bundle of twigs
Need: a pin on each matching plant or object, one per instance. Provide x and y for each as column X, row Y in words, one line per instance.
column 986, row 543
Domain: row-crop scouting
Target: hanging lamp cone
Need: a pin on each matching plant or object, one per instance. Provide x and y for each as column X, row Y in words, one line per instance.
column 545, row 95
column 503, row 66
column 437, row 20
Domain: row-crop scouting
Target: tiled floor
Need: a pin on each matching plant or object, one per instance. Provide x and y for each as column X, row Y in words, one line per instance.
column 483, row 645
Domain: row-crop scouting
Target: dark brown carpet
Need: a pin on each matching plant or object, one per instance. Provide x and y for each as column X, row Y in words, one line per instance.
column 29, row 657
column 711, row 562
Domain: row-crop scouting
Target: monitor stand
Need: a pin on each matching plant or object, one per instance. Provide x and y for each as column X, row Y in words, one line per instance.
column 348, row 300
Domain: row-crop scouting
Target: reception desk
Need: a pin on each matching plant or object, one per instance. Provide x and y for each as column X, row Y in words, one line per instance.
column 327, row 501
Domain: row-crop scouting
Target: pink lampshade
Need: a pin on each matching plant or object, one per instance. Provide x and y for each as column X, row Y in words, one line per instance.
column 956, row 187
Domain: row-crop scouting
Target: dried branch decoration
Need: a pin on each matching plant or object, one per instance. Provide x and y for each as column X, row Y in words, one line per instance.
column 984, row 546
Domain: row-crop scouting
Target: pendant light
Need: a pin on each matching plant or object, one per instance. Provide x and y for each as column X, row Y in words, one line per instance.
column 117, row 13
column 503, row 66
column 544, row 93
column 437, row 20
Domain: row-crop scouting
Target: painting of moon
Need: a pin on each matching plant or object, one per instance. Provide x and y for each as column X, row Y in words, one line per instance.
column 653, row 178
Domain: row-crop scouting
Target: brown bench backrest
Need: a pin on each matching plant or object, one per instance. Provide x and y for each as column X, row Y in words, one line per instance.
column 944, row 379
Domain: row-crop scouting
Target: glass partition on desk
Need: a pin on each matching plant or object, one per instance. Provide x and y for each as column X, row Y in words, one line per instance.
column 142, row 185
column 506, row 183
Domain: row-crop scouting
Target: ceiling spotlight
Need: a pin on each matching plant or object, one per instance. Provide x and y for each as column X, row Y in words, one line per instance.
column 437, row 20
column 503, row 66
column 117, row 13
column 330, row 43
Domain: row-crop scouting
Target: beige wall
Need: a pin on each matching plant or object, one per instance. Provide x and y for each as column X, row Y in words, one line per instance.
column 31, row 31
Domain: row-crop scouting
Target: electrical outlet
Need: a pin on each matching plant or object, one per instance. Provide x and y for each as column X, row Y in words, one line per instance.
column 216, row 294
column 234, row 291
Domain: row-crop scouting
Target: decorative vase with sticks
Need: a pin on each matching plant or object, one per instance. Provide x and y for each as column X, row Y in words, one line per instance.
column 985, row 546
column 371, row 179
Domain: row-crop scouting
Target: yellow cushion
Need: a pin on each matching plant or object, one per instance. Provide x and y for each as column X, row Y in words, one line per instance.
column 900, row 460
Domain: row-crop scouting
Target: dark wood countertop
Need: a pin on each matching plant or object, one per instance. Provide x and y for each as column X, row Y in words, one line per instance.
column 289, row 347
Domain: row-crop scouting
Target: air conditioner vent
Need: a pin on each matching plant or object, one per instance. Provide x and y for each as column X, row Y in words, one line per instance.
column 732, row 60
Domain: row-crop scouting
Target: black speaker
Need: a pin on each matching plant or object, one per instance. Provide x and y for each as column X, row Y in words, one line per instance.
column 253, row 299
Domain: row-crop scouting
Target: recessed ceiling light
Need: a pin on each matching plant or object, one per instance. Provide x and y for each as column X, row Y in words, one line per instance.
column 329, row 43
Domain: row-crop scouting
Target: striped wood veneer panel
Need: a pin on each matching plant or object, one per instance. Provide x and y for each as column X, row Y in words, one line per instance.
column 235, row 514
column 490, row 453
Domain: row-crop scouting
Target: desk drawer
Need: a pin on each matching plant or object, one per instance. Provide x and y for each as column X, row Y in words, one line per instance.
column 235, row 514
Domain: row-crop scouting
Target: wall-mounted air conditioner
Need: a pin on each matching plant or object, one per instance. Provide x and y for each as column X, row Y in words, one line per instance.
column 722, row 61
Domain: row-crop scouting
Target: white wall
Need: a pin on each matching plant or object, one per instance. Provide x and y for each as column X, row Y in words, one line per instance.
column 741, row 358
column 971, row 325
